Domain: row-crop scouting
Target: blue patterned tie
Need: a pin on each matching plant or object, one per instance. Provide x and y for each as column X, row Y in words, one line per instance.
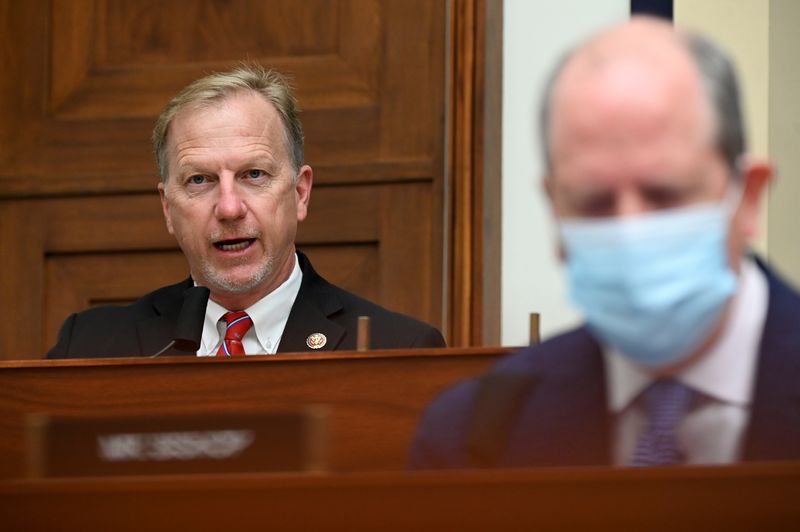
column 665, row 402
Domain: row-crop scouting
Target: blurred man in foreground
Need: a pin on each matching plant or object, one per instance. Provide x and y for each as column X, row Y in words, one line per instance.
column 233, row 188
column 691, row 353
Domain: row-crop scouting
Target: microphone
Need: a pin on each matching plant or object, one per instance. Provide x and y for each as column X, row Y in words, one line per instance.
column 189, row 327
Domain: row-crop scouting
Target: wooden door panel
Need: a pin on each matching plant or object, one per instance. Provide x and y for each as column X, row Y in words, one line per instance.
column 82, row 84
column 104, row 224
column 81, row 281
column 369, row 77
column 155, row 32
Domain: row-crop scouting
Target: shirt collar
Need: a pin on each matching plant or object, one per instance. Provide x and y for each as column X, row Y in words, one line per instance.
column 727, row 371
column 269, row 314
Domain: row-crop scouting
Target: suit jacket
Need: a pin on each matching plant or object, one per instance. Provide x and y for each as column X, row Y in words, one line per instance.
column 148, row 325
column 561, row 419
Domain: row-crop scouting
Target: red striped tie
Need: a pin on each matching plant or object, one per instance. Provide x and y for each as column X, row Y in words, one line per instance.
column 238, row 323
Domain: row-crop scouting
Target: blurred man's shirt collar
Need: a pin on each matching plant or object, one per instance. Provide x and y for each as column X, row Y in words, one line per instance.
column 712, row 431
column 726, row 371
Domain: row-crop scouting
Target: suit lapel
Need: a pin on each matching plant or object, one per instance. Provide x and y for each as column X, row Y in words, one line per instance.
column 774, row 429
column 310, row 315
column 307, row 319
column 566, row 419
column 158, row 331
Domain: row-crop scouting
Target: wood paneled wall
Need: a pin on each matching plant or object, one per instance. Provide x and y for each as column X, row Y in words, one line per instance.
column 83, row 80
column 474, row 179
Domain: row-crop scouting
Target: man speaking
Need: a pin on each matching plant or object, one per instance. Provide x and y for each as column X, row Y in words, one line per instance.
column 691, row 350
column 233, row 188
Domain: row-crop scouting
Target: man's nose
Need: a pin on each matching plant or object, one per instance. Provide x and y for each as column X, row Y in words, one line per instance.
column 230, row 202
column 630, row 204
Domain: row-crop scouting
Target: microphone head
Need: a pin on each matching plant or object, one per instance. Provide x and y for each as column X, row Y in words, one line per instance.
column 189, row 328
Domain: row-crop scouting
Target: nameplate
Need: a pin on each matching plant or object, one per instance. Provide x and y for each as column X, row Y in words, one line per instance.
column 133, row 445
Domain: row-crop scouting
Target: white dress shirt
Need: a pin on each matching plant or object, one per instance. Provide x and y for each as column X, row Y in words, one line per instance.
column 712, row 431
column 269, row 315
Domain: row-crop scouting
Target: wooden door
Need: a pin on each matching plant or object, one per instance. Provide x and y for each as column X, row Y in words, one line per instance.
column 81, row 84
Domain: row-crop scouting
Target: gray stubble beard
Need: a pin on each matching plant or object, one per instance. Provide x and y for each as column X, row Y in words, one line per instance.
column 218, row 281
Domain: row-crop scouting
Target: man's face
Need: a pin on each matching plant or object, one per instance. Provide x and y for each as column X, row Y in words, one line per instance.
column 231, row 199
column 632, row 140
column 636, row 135
column 632, row 132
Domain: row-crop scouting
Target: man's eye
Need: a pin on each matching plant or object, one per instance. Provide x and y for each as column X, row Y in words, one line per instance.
column 596, row 206
column 197, row 179
column 254, row 174
column 664, row 197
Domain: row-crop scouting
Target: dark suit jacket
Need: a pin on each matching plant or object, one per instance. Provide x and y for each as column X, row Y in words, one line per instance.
column 146, row 326
column 562, row 418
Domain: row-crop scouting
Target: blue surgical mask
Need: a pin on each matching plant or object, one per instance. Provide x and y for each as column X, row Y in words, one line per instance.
column 652, row 286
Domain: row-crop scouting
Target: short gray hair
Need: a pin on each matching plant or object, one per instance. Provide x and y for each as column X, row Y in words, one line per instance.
column 718, row 76
column 270, row 84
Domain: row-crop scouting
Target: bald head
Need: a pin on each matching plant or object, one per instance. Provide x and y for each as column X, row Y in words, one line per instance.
column 640, row 118
column 632, row 83
column 646, row 62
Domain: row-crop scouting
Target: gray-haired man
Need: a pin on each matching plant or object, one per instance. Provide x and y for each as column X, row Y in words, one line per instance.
column 233, row 188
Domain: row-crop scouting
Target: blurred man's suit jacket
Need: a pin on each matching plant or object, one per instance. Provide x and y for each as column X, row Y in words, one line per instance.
column 562, row 419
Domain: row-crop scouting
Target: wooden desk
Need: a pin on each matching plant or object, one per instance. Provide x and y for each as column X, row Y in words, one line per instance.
column 375, row 397
column 754, row 497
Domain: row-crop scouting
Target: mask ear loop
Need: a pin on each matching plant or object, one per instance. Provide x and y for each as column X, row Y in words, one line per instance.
column 732, row 200
column 734, row 192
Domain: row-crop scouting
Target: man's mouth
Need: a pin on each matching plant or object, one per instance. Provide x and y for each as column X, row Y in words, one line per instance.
column 234, row 244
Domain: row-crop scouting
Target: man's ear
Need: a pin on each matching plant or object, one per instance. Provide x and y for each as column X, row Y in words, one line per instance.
column 547, row 187
column 302, row 190
column 756, row 175
column 162, row 193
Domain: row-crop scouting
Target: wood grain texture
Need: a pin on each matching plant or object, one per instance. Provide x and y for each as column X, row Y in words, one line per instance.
column 489, row 144
column 474, row 173
column 755, row 497
column 84, row 80
column 375, row 398
column 465, row 296
column 81, row 281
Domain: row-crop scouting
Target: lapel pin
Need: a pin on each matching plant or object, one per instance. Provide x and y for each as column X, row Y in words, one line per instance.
column 316, row 341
